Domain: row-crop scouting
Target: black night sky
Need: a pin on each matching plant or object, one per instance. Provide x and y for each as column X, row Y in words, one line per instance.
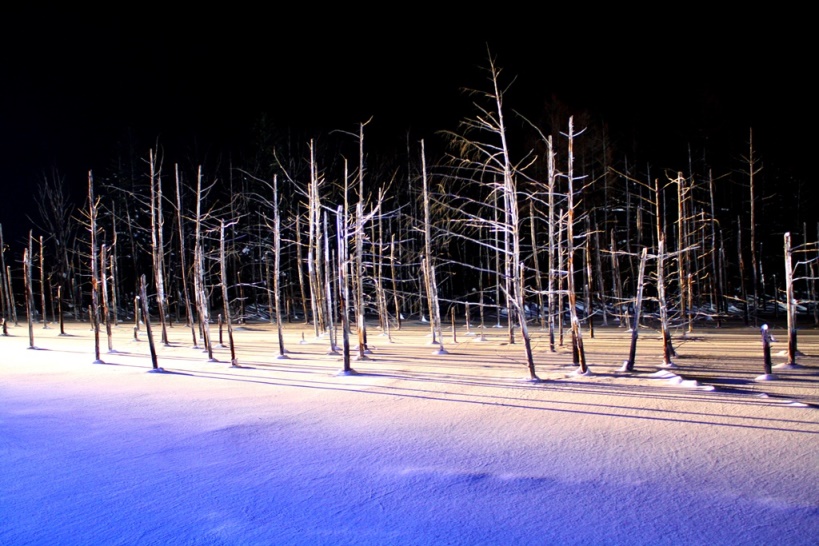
column 74, row 85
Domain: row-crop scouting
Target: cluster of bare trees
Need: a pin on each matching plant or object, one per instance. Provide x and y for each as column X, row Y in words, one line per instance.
column 533, row 226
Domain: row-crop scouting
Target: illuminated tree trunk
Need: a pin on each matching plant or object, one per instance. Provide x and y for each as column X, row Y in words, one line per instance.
column 395, row 287
column 158, row 245
column 536, row 264
column 427, row 265
column 277, row 243
column 225, row 301
column 199, row 275
column 147, row 319
column 578, row 353
column 92, row 226
column 752, row 171
column 43, row 285
column 183, row 259
column 5, row 279
column 343, row 288
column 628, row 365
column 29, row 294
column 791, row 302
column 328, row 296
column 106, row 313
column 300, row 269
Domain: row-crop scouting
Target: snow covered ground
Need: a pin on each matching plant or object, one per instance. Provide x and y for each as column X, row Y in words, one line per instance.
column 416, row 448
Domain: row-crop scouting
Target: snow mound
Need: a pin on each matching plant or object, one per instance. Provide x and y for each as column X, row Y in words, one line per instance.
column 675, row 380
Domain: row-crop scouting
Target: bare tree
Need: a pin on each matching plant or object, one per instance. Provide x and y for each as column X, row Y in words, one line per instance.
column 91, row 217
column 490, row 157
column 29, row 294
column 147, row 318
column 579, row 354
column 234, row 362
column 5, row 279
column 158, row 243
column 183, row 266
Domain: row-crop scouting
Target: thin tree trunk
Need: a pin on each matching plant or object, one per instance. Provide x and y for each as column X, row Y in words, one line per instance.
column 277, row 245
column 552, row 255
column 536, row 264
column 225, row 301
column 577, row 338
column 157, row 245
column 92, row 225
column 60, row 309
column 791, row 303
column 752, row 170
column 5, row 277
column 587, row 289
column 147, row 319
column 199, row 276
column 114, row 258
column 331, row 327
column 601, row 287
column 741, row 263
column 622, row 308
column 395, row 287
column 715, row 273
column 43, row 285
column 427, row 259
column 343, row 289
column 106, row 314
column 182, row 258
column 300, row 268
column 628, row 365
column 29, row 294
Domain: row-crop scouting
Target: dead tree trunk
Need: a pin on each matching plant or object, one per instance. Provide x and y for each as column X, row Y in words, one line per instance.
column 741, row 262
column 395, row 287
column 29, row 294
column 60, row 309
column 312, row 246
column 752, row 171
column 536, row 264
column 300, row 268
column 577, row 338
column 427, row 258
column 92, row 227
column 587, row 290
column 328, row 298
column 147, row 318
column 719, row 307
column 183, row 258
column 114, row 261
column 791, row 302
column 43, row 285
column 343, row 289
column 553, row 255
column 106, row 314
column 628, row 365
column 199, row 276
column 5, row 277
column 223, row 282
column 277, row 245
column 158, row 245
column 601, row 287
